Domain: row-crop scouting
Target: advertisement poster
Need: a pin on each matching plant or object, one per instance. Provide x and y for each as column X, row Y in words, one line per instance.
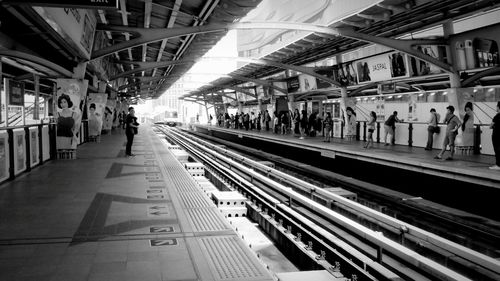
column 75, row 26
column 95, row 110
column 16, row 93
column 4, row 153
column 108, row 115
column 382, row 67
column 70, row 97
column 345, row 74
column 34, row 146
column 307, row 83
column 380, row 109
column 19, row 154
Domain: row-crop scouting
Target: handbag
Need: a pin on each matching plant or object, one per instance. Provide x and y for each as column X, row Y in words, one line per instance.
column 437, row 129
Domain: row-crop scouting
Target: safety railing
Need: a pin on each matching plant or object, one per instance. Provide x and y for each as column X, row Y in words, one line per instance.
column 25, row 147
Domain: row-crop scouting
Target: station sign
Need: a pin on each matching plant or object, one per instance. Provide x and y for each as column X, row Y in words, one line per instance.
column 83, row 4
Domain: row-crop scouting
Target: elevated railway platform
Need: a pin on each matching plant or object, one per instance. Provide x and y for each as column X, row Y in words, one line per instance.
column 106, row 217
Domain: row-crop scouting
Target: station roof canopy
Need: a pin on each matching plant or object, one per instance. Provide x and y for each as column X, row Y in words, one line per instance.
column 387, row 19
column 25, row 26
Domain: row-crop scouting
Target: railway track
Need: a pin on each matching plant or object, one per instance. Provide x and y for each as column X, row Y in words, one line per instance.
column 384, row 253
column 474, row 232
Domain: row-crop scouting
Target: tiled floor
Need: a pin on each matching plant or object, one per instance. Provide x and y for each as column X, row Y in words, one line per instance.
column 105, row 217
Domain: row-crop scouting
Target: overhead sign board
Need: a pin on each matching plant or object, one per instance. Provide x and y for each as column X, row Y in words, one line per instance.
column 75, row 26
column 84, row 4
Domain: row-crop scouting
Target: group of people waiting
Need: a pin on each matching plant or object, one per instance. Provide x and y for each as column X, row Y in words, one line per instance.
column 304, row 125
column 280, row 123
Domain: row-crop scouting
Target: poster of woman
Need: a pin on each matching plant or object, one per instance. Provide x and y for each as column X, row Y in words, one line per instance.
column 95, row 109
column 70, row 94
column 108, row 115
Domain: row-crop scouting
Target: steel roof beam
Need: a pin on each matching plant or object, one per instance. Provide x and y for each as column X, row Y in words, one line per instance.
column 141, row 66
column 151, row 35
column 480, row 75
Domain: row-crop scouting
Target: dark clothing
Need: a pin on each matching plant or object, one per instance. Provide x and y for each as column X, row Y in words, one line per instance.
column 65, row 126
column 391, row 121
column 130, row 141
column 130, row 132
column 495, row 138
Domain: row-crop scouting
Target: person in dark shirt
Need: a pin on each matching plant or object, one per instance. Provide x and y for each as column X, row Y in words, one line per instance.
column 390, row 127
column 495, row 138
column 130, row 130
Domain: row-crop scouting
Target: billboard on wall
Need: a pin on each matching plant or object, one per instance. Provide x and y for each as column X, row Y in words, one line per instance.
column 307, row 83
column 382, row 67
column 75, row 26
column 4, row 156
column 261, row 42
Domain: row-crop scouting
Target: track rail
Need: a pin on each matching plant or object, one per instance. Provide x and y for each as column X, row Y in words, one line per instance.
column 376, row 248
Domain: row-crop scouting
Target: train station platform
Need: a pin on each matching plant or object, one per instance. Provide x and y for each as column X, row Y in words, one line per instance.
column 472, row 168
column 465, row 183
column 107, row 217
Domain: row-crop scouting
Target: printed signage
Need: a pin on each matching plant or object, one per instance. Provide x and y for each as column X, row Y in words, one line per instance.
column 16, row 93
column 84, row 4
column 75, row 26
column 293, row 84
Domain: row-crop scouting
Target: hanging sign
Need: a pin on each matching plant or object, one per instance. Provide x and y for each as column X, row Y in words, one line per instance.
column 16, row 93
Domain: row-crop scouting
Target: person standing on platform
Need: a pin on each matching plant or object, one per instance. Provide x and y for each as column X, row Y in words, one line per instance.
column 432, row 128
column 276, row 122
column 495, row 138
column 328, row 124
column 390, row 127
column 467, row 143
column 452, row 125
column 303, row 124
column 131, row 126
column 267, row 118
column 351, row 124
column 371, row 128
column 296, row 122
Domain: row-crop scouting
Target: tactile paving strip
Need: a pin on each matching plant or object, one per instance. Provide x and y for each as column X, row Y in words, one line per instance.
column 194, row 200
column 182, row 180
column 229, row 259
column 206, row 219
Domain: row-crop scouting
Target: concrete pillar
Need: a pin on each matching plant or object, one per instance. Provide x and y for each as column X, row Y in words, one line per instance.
column 79, row 70
column 225, row 107
column 102, row 87
column 36, row 106
column 291, row 102
column 454, row 97
column 320, row 109
column 447, row 31
column 343, row 103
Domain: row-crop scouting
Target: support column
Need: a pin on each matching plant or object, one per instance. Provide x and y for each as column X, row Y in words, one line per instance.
column 79, row 70
column 36, row 105
column 225, row 107
column 343, row 102
column 291, row 102
column 102, row 87
column 1, row 88
column 206, row 110
column 453, row 96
